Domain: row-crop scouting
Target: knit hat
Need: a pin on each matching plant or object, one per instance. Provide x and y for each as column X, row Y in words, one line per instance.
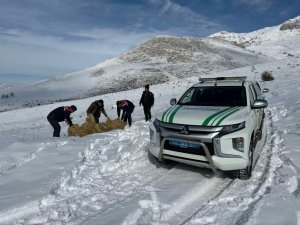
column 73, row 107
column 147, row 86
column 101, row 101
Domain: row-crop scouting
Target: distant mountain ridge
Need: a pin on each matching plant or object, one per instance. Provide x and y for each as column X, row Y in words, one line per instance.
column 167, row 58
column 155, row 61
column 291, row 24
column 276, row 42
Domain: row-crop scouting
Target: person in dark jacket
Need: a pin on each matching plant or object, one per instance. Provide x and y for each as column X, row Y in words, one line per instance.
column 58, row 115
column 147, row 100
column 127, row 107
column 96, row 108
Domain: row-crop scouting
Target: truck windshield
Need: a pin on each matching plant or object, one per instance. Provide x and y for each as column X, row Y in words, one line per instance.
column 215, row 96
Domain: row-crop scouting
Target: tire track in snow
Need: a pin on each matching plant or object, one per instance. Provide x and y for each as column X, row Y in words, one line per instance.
column 298, row 217
column 268, row 173
column 195, row 200
column 163, row 201
column 236, row 204
column 294, row 181
column 210, row 220
column 182, row 210
column 11, row 216
column 25, row 159
column 196, row 197
column 30, row 156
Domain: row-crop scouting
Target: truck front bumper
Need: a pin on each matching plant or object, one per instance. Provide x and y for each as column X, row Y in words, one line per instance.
column 207, row 161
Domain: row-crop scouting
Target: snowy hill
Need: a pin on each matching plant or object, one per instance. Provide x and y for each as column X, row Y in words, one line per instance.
column 277, row 42
column 159, row 60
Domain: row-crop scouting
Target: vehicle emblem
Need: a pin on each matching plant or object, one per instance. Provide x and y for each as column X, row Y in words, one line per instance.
column 184, row 130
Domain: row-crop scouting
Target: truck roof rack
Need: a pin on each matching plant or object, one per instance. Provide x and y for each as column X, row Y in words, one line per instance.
column 215, row 79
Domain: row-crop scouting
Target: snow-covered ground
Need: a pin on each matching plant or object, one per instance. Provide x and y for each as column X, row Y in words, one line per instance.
column 110, row 178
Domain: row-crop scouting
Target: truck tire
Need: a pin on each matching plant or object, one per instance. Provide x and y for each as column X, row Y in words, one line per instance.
column 245, row 174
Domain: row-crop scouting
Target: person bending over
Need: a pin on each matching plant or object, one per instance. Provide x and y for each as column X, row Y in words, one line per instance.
column 127, row 107
column 58, row 115
column 95, row 109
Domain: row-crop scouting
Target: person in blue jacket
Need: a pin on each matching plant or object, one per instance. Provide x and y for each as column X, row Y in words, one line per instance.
column 127, row 107
column 58, row 115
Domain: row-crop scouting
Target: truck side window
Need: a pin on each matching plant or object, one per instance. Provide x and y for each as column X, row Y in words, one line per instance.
column 258, row 91
column 252, row 95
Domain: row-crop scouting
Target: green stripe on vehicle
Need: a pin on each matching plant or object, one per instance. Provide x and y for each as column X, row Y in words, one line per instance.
column 173, row 114
column 222, row 114
column 167, row 113
column 208, row 119
column 224, row 117
column 162, row 118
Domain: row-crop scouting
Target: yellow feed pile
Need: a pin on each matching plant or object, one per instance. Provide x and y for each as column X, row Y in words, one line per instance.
column 90, row 127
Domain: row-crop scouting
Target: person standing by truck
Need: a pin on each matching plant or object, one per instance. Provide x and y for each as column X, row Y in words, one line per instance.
column 147, row 100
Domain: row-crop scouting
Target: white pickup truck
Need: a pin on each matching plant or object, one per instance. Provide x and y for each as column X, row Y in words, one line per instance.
column 215, row 124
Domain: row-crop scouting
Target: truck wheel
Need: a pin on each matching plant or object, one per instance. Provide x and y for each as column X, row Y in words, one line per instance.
column 245, row 174
column 259, row 132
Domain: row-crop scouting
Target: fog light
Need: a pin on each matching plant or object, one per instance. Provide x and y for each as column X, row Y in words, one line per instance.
column 238, row 144
column 154, row 138
column 151, row 134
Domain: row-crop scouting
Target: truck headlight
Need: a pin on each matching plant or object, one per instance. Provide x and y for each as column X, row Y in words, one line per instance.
column 233, row 128
column 152, row 134
column 156, row 125
column 238, row 144
column 155, row 134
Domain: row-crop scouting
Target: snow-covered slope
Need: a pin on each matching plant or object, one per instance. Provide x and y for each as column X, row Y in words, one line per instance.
column 277, row 42
column 159, row 60
column 291, row 24
column 109, row 178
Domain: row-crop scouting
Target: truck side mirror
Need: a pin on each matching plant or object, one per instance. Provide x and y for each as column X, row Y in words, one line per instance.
column 173, row 101
column 265, row 90
column 259, row 104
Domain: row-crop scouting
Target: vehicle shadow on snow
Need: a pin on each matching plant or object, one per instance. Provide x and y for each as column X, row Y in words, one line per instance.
column 205, row 172
column 164, row 164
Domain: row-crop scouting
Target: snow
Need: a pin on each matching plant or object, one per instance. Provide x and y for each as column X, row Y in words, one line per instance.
column 271, row 41
column 110, row 178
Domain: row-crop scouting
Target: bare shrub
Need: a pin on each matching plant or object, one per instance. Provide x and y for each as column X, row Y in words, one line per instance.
column 97, row 73
column 290, row 25
column 11, row 94
column 5, row 96
column 267, row 76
